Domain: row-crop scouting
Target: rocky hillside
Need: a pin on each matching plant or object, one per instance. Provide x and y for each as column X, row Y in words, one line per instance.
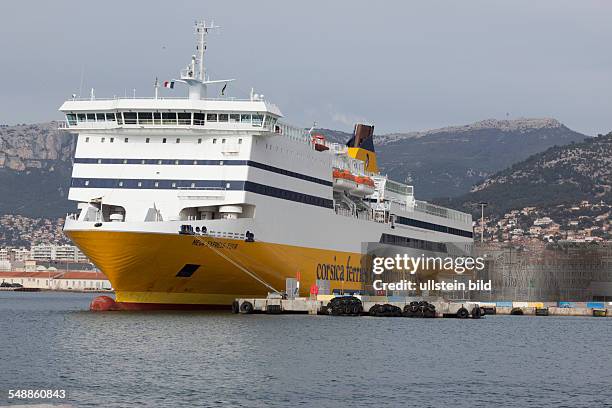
column 35, row 167
column 447, row 162
column 560, row 175
column 37, row 146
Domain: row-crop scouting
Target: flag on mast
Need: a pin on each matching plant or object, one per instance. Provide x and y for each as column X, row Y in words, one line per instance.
column 169, row 84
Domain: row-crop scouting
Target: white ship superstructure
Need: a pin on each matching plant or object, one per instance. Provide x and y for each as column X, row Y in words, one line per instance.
column 200, row 200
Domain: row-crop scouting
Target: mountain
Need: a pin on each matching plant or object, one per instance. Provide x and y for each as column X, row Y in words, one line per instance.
column 35, row 169
column 561, row 175
column 448, row 162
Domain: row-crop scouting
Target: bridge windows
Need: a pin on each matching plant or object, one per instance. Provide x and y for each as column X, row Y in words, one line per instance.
column 184, row 118
column 168, row 118
column 198, row 119
column 257, row 120
column 171, row 118
column 145, row 118
column 130, row 118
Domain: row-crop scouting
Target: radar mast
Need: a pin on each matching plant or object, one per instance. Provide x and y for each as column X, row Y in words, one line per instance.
column 194, row 75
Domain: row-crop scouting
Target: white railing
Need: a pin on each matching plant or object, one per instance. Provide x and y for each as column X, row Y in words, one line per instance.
column 432, row 209
column 174, row 98
column 293, row 131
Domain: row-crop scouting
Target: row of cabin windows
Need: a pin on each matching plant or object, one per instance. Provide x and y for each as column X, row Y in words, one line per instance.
column 171, row 118
column 148, row 140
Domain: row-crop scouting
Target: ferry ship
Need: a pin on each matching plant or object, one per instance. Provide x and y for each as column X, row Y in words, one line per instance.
column 196, row 201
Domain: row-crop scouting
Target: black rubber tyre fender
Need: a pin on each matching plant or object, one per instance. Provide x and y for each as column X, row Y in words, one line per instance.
column 476, row 313
column 517, row 311
column 483, row 311
column 246, row 307
column 462, row 313
column 373, row 310
column 235, row 308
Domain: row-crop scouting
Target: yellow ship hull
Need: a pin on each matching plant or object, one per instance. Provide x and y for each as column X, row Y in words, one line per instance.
column 143, row 267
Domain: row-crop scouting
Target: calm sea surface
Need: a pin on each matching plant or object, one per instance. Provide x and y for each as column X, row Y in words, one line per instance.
column 51, row 341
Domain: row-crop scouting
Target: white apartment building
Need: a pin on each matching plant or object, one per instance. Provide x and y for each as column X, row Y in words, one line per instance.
column 68, row 253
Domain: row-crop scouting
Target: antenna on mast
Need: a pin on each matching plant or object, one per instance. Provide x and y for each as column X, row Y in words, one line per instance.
column 201, row 30
column 195, row 73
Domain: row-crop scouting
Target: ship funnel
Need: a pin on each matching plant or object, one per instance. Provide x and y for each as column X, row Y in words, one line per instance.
column 361, row 146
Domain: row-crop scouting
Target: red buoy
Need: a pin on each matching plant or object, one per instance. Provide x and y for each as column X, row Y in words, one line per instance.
column 103, row 304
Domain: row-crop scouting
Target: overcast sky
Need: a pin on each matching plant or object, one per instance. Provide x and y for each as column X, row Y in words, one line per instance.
column 403, row 65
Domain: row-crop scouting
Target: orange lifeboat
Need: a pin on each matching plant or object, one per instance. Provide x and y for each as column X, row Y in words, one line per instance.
column 344, row 180
column 365, row 186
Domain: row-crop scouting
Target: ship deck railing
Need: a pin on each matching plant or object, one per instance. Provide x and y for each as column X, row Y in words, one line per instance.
column 432, row 209
column 420, row 206
column 174, row 98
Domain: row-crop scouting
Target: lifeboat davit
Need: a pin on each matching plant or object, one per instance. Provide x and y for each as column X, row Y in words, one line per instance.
column 365, row 186
column 344, row 181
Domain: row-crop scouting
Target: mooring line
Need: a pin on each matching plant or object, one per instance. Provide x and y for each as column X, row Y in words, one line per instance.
column 237, row 265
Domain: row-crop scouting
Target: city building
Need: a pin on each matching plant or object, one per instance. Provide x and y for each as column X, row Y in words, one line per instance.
column 54, row 280
column 68, row 253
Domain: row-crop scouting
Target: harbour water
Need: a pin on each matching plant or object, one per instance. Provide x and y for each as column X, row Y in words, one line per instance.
column 51, row 341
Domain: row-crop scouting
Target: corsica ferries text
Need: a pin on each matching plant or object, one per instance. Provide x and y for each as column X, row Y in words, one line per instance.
column 340, row 272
